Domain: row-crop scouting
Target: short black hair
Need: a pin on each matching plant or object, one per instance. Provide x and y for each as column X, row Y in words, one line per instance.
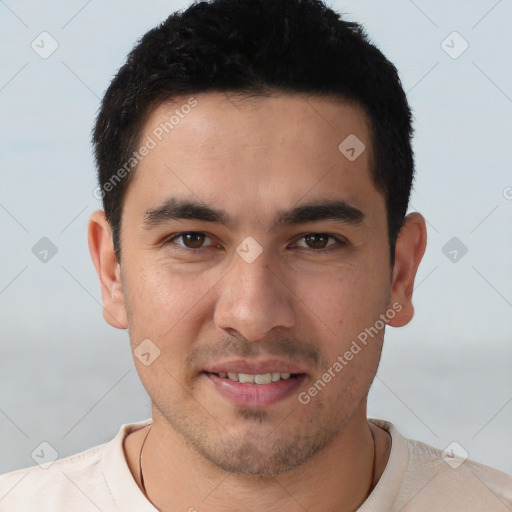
column 256, row 47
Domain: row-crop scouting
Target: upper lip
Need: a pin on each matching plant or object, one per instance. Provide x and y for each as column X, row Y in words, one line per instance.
column 254, row 367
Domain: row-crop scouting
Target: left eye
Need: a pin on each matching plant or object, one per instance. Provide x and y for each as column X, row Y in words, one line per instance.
column 317, row 241
column 192, row 240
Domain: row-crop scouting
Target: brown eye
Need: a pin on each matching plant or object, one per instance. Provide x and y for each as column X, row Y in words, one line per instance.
column 320, row 242
column 317, row 241
column 192, row 240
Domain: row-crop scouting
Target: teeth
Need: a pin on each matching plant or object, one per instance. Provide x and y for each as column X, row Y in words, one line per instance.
column 261, row 378
column 266, row 378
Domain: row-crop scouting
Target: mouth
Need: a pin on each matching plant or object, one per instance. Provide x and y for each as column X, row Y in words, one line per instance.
column 256, row 388
column 259, row 378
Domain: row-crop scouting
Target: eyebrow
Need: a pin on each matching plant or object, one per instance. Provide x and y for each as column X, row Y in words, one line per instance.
column 337, row 210
column 180, row 209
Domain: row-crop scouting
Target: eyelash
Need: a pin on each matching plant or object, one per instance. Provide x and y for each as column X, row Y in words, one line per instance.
column 339, row 241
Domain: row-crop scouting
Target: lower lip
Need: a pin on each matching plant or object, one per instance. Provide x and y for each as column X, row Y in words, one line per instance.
column 256, row 395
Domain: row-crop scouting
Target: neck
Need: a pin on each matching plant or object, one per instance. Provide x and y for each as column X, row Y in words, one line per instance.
column 342, row 475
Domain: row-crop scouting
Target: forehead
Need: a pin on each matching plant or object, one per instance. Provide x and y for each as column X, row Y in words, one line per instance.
column 260, row 153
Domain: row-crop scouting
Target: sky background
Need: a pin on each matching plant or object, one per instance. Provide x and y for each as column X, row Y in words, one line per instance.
column 68, row 378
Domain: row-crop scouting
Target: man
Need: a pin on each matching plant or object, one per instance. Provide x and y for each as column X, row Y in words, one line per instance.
column 255, row 167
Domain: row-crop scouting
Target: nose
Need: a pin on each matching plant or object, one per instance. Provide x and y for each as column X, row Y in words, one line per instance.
column 254, row 300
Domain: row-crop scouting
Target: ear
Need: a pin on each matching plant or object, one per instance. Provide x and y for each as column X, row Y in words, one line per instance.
column 410, row 248
column 108, row 269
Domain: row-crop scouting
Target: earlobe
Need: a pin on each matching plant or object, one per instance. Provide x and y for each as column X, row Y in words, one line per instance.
column 410, row 247
column 108, row 270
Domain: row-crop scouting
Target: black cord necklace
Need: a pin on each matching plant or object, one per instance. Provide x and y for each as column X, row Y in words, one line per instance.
column 142, row 474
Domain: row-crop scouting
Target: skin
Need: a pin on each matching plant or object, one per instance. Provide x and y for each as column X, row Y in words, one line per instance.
column 253, row 158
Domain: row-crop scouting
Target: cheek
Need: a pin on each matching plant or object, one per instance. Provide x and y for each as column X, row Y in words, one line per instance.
column 343, row 304
column 165, row 304
column 169, row 310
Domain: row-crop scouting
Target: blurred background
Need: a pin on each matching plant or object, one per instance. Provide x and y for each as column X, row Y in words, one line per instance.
column 68, row 379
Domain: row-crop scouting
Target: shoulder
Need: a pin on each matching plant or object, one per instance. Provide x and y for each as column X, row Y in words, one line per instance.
column 79, row 482
column 30, row 488
column 462, row 482
column 433, row 479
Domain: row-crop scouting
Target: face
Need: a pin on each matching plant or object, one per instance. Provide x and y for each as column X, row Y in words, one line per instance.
column 254, row 257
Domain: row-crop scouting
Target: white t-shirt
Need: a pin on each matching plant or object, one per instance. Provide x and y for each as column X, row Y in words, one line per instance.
column 416, row 478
